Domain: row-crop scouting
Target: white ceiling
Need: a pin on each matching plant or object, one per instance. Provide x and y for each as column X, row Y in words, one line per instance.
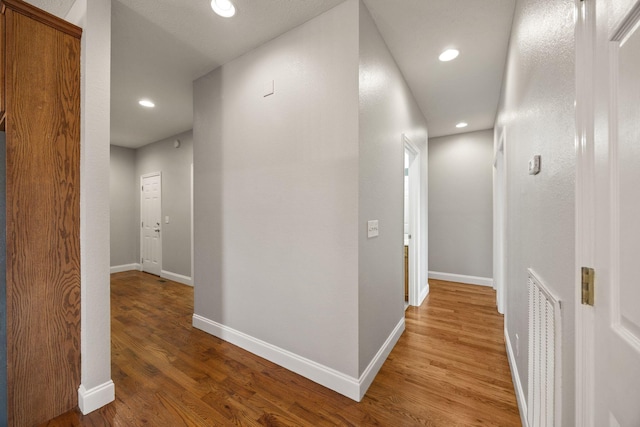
column 160, row 46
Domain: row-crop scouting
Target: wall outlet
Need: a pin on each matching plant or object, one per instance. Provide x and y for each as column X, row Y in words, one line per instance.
column 372, row 228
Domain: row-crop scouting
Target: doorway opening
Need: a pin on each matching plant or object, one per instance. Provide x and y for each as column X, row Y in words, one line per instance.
column 412, row 232
column 151, row 223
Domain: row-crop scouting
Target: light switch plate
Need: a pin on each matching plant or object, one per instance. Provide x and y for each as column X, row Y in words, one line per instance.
column 534, row 165
column 166, row 219
column 372, row 228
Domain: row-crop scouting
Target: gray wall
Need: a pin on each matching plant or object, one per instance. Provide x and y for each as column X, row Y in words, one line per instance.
column 175, row 165
column 537, row 115
column 387, row 110
column 461, row 204
column 276, row 192
column 127, row 166
column 124, row 196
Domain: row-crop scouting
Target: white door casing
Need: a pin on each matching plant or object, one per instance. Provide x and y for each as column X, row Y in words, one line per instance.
column 608, row 213
column 151, row 223
column 415, row 252
column 499, row 224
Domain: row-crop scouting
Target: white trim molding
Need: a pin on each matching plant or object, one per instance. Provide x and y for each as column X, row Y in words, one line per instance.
column 185, row 280
column 423, row 294
column 460, row 278
column 522, row 401
column 125, row 267
column 97, row 397
column 351, row 387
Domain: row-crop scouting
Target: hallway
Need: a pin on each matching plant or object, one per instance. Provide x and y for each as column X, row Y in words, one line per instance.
column 449, row 368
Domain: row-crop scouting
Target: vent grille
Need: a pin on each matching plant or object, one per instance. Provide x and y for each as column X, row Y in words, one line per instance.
column 543, row 409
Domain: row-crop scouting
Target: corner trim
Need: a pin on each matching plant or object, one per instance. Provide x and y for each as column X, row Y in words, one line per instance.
column 515, row 377
column 176, row 277
column 125, row 267
column 95, row 398
column 460, row 278
column 353, row 388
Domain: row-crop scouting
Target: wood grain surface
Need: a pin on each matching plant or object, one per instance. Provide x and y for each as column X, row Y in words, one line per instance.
column 43, row 201
column 448, row 369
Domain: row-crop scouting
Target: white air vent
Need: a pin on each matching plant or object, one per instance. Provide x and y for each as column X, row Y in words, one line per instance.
column 543, row 409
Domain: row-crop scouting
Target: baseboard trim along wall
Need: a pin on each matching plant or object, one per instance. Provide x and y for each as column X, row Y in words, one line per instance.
column 522, row 403
column 125, row 267
column 460, row 278
column 423, row 295
column 353, row 388
column 97, row 397
column 378, row 360
column 176, row 277
column 163, row 273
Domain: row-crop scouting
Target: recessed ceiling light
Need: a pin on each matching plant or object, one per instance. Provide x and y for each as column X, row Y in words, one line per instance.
column 223, row 8
column 449, row 55
column 462, row 125
column 146, row 103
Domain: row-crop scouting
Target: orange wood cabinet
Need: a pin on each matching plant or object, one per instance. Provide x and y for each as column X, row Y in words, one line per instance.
column 40, row 104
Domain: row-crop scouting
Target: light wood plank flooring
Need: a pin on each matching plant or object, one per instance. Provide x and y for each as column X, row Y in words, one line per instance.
column 449, row 368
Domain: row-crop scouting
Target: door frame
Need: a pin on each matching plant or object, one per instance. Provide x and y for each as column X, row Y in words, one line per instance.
column 500, row 223
column 585, row 211
column 415, row 247
column 142, row 177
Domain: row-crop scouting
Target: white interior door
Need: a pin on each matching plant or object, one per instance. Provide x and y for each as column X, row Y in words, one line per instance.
column 151, row 223
column 608, row 353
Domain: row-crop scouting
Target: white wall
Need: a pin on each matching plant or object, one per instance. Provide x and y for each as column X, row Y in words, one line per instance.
column 124, row 197
column 461, row 204
column 175, row 165
column 537, row 114
column 94, row 17
column 387, row 110
column 276, row 192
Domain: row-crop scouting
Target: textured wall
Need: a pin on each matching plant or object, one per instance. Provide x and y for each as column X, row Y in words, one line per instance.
column 276, row 192
column 537, row 114
column 461, row 204
column 387, row 110
column 175, row 165
column 125, row 234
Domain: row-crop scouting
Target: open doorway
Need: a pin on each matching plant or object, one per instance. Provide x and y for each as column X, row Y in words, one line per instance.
column 412, row 249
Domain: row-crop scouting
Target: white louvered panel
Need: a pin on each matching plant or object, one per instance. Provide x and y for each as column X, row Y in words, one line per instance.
column 544, row 321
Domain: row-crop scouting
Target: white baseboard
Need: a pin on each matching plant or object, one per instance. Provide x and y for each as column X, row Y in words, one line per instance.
column 423, row 295
column 460, row 278
column 125, row 267
column 378, row 360
column 176, row 277
column 353, row 388
column 522, row 403
column 97, row 397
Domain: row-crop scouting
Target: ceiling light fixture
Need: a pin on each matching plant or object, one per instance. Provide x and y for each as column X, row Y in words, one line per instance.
column 462, row 125
column 223, row 8
column 146, row 103
column 449, row 55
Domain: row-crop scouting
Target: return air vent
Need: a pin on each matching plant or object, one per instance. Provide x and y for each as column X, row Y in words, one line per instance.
column 543, row 409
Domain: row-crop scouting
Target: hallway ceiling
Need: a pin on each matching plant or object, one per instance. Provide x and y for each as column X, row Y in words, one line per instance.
column 160, row 46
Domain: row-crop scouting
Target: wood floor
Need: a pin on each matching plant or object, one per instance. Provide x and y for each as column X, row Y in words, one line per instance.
column 448, row 369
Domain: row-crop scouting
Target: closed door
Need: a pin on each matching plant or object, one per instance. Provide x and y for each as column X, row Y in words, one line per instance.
column 616, row 309
column 151, row 222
